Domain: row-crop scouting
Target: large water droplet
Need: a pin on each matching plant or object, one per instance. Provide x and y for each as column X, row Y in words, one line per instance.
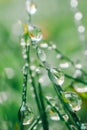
column 56, row 76
column 25, row 115
column 30, row 7
column 41, row 55
column 74, row 100
column 84, row 126
column 35, row 33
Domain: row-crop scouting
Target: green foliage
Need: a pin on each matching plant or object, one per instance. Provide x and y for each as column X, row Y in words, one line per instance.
column 56, row 21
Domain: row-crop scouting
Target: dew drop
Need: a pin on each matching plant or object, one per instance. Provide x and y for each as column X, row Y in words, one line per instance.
column 35, row 33
column 77, row 74
column 78, row 66
column 41, row 55
column 84, row 126
column 78, row 16
column 81, row 29
column 64, row 65
column 30, row 7
column 44, row 45
column 53, row 101
column 52, row 114
column 73, row 127
column 74, row 100
column 74, row 3
column 54, row 46
column 65, row 116
column 25, row 115
column 58, row 56
column 56, row 76
column 80, row 88
column 23, row 42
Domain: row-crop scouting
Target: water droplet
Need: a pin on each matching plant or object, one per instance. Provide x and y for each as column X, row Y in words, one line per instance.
column 78, row 16
column 80, row 88
column 53, row 46
column 31, row 7
column 64, row 65
column 32, row 67
column 56, row 76
column 78, row 66
column 41, row 55
column 77, row 74
column 25, row 115
column 53, row 101
column 73, row 127
column 35, row 33
column 23, row 42
column 65, row 116
column 52, row 114
column 84, row 126
column 44, row 45
column 74, row 3
column 81, row 29
column 58, row 56
column 74, row 100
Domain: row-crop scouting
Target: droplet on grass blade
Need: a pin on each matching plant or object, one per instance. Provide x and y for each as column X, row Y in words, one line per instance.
column 84, row 126
column 56, row 76
column 74, row 100
column 41, row 55
column 31, row 7
column 25, row 115
column 65, row 116
column 52, row 114
column 35, row 33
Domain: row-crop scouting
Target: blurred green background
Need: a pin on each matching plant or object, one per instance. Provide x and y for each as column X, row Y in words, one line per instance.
column 55, row 18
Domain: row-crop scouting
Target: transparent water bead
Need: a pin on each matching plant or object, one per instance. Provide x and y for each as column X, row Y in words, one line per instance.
column 81, row 29
column 77, row 74
column 56, row 76
column 64, row 65
column 44, row 45
column 23, row 43
column 78, row 66
column 41, row 55
column 35, row 33
column 78, row 16
column 53, row 101
column 25, row 115
column 73, row 127
column 74, row 100
column 80, row 88
column 65, row 116
column 84, row 126
column 74, row 3
column 31, row 7
column 52, row 114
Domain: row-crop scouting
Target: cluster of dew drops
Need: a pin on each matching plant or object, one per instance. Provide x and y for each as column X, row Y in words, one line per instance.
column 56, row 75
